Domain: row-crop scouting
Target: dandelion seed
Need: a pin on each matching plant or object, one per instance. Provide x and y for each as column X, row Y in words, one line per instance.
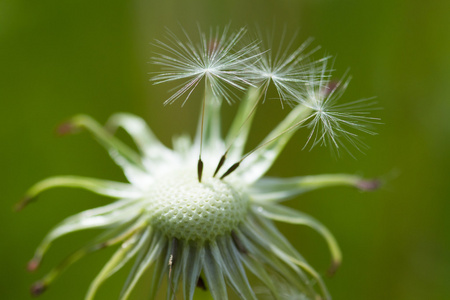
column 335, row 124
column 281, row 64
column 215, row 58
column 209, row 234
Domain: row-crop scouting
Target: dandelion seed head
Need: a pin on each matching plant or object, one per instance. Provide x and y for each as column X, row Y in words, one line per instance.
column 185, row 223
column 183, row 208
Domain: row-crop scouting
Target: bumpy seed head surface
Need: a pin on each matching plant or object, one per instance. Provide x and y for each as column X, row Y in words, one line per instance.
column 186, row 209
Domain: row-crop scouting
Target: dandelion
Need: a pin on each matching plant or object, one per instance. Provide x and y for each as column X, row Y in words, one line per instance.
column 210, row 234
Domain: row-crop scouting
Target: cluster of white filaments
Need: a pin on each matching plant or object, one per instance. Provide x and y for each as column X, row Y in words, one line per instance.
column 201, row 215
column 213, row 59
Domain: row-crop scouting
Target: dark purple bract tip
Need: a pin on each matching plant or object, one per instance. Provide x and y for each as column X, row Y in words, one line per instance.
column 38, row 288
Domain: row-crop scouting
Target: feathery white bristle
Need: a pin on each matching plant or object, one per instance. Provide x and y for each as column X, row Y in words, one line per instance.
column 286, row 67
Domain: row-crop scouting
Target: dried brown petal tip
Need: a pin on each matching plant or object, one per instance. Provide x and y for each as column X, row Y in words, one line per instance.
column 368, row 185
column 38, row 288
column 333, row 268
column 22, row 203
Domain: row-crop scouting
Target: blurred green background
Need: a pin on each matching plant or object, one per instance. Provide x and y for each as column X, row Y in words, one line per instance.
column 60, row 58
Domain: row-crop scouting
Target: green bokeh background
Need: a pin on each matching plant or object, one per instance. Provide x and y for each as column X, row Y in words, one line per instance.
column 60, row 58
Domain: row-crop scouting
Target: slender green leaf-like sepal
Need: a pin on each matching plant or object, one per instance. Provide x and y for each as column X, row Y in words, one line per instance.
column 116, row 214
column 257, row 164
column 142, row 135
column 288, row 215
column 126, row 252
column 146, row 262
column 305, row 266
column 260, row 248
column 213, row 272
column 98, row 186
column 192, row 268
column 233, row 269
column 114, row 146
column 77, row 255
column 242, row 122
column 258, row 270
column 279, row 189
